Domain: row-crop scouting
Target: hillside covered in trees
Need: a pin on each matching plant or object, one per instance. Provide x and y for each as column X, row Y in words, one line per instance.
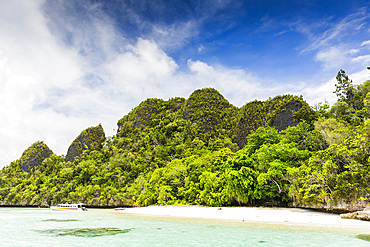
column 204, row 151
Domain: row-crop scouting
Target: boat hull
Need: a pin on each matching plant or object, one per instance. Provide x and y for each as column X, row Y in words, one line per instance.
column 64, row 209
column 119, row 209
column 68, row 207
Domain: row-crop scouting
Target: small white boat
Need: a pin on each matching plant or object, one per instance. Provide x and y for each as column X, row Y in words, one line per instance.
column 69, row 207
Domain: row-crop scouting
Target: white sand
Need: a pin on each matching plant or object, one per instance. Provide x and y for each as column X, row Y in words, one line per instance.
column 286, row 216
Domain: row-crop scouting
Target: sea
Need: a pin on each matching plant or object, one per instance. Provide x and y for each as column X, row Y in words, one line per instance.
column 106, row 227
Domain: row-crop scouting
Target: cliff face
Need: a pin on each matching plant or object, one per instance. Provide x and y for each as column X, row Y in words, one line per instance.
column 34, row 155
column 175, row 139
column 340, row 206
column 214, row 116
column 89, row 139
column 278, row 112
column 251, row 117
column 284, row 118
column 147, row 111
column 210, row 111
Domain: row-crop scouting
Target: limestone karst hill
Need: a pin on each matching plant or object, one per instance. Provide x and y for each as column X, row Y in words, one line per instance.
column 202, row 150
column 214, row 116
column 208, row 113
column 34, row 155
column 89, row 139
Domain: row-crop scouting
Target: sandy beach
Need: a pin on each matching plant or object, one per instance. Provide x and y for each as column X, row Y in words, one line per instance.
column 286, row 216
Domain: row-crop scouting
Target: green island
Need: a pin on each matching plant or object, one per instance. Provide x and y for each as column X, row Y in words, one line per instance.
column 205, row 151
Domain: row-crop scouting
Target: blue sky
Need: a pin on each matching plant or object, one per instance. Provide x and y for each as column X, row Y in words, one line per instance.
column 69, row 65
column 274, row 38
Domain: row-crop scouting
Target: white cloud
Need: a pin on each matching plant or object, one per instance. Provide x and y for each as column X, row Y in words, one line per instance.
column 51, row 89
column 60, row 75
column 366, row 43
column 363, row 59
column 335, row 33
column 352, row 51
column 201, row 48
column 200, row 67
column 175, row 35
column 323, row 92
column 143, row 71
column 360, row 77
column 332, row 58
column 236, row 85
column 146, row 71
column 32, row 66
column 339, row 43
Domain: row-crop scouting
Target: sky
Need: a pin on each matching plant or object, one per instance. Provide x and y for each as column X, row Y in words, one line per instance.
column 69, row 65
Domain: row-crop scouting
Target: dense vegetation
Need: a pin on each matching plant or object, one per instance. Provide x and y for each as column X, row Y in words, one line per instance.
column 205, row 151
column 90, row 139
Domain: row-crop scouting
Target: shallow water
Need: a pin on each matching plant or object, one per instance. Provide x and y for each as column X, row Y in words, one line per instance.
column 44, row 227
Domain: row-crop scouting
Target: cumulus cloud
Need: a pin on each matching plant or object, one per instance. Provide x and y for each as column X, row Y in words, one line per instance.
column 145, row 70
column 141, row 69
column 237, row 85
column 51, row 90
column 48, row 89
column 32, row 64
column 63, row 71
column 323, row 91
column 58, row 78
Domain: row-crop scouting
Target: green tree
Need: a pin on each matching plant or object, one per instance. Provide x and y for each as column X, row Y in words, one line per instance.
column 344, row 89
column 241, row 185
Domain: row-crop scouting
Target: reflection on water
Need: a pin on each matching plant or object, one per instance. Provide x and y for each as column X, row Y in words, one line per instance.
column 85, row 232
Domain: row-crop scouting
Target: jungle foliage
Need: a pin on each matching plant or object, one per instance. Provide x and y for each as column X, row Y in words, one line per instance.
column 205, row 151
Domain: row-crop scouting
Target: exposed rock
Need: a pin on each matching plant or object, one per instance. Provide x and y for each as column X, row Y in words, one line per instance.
column 277, row 112
column 212, row 115
column 210, row 111
column 284, row 119
column 34, row 156
column 206, row 108
column 146, row 111
column 353, row 206
column 251, row 117
column 359, row 215
column 89, row 139
column 337, row 206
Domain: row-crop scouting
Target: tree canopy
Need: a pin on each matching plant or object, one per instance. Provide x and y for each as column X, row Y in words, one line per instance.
column 205, row 151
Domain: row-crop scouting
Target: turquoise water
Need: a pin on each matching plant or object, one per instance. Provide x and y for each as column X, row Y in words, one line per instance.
column 44, row 227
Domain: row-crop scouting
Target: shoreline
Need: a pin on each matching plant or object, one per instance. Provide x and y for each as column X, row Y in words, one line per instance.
column 294, row 218
column 259, row 215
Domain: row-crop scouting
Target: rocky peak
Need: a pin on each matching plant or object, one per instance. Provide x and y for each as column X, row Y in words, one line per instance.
column 89, row 139
column 210, row 110
column 146, row 111
column 34, row 156
column 277, row 112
